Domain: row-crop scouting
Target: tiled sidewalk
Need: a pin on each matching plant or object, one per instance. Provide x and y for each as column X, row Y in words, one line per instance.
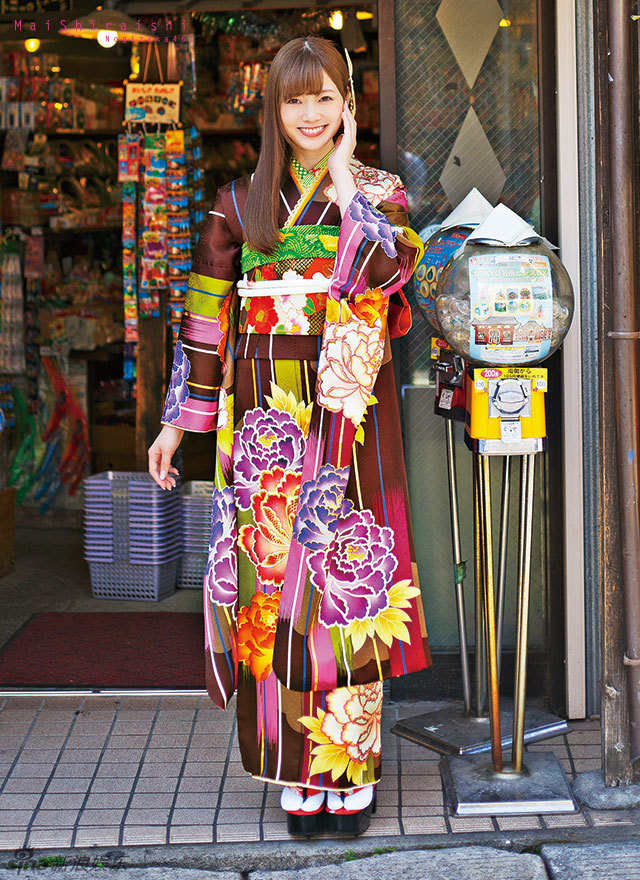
column 108, row 771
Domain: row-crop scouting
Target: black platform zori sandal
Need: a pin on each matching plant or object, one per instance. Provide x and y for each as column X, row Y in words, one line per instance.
column 350, row 812
column 305, row 810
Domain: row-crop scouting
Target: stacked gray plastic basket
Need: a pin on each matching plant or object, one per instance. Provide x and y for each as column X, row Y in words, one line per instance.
column 132, row 538
column 196, row 528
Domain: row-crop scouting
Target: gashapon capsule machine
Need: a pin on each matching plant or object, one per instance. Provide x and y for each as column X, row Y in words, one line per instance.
column 504, row 303
column 453, row 729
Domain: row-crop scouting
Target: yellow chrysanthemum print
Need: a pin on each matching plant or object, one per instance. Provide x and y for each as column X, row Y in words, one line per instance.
column 284, row 402
column 389, row 624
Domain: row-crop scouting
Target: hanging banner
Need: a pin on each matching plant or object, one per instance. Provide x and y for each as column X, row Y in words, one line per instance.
column 152, row 102
column 511, row 308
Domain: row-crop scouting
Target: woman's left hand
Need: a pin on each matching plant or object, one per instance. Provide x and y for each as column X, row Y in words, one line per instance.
column 345, row 145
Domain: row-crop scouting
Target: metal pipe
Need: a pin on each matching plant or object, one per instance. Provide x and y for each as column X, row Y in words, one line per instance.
column 458, row 565
column 524, row 582
column 490, row 612
column 502, row 554
column 625, row 337
column 481, row 660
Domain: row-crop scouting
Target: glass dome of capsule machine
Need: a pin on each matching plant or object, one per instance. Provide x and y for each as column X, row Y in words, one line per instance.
column 504, row 306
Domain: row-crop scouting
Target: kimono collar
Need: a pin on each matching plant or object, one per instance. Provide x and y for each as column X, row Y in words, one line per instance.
column 307, row 185
column 307, row 178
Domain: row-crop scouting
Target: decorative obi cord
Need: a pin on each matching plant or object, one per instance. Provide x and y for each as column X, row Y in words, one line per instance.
column 285, row 293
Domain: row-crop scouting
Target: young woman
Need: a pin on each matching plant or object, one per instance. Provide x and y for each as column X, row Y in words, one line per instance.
column 311, row 593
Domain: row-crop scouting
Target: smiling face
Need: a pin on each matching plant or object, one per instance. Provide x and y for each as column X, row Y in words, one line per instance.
column 310, row 122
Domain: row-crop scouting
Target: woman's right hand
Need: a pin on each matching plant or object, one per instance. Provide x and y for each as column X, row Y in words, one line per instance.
column 160, row 454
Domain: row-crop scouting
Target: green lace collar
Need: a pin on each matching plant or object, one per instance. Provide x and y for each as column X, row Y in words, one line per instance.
column 307, row 177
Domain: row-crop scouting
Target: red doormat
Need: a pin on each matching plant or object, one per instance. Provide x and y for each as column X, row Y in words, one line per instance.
column 145, row 649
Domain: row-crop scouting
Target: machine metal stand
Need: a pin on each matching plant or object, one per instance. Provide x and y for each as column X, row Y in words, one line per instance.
column 466, row 730
column 475, row 785
column 458, row 565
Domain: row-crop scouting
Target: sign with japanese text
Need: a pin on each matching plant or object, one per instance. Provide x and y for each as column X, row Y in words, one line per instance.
column 152, row 102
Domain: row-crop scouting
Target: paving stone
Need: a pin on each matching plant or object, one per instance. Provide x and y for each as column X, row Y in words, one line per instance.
column 191, row 834
column 463, row 863
column 518, row 823
column 148, row 835
column 610, row 817
column 564, row 821
column 232, row 833
column 131, row 873
column 50, row 837
column 102, row 800
column 67, row 801
column 466, row 824
column 12, row 839
column 93, row 835
column 586, row 765
column 422, row 810
column 602, row 861
column 15, row 801
column 424, row 825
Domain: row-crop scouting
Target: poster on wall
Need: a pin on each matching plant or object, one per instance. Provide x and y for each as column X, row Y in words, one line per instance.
column 511, row 308
column 152, row 102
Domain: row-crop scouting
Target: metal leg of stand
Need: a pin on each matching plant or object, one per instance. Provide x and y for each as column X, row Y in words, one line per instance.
column 452, row 730
column 458, row 566
column 522, row 625
column 502, row 555
column 481, row 663
column 490, row 610
column 473, row 786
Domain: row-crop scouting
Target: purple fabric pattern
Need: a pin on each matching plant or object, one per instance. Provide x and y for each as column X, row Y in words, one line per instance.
column 354, row 571
column 321, row 506
column 178, row 392
column 375, row 225
column 268, row 438
column 221, row 575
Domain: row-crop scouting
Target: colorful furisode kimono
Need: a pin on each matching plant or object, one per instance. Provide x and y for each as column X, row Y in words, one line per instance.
column 311, row 595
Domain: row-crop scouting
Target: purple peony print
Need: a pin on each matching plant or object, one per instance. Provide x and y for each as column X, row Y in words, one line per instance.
column 221, row 575
column 178, row 391
column 375, row 225
column 321, row 506
column 268, row 438
column 353, row 573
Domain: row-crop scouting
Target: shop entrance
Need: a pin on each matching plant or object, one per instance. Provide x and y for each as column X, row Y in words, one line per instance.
column 75, row 301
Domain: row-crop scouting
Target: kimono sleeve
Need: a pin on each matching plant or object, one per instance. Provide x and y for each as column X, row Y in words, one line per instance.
column 377, row 251
column 199, row 356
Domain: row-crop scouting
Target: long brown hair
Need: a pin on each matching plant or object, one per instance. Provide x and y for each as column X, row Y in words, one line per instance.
column 297, row 69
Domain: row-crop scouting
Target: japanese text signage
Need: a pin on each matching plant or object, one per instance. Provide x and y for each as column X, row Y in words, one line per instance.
column 152, row 102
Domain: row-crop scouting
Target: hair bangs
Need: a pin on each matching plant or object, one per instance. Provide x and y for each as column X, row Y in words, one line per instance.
column 303, row 76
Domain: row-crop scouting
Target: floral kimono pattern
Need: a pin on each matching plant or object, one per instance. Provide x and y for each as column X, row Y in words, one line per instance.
column 311, row 594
